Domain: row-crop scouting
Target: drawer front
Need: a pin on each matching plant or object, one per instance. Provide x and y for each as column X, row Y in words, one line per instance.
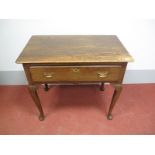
column 75, row 73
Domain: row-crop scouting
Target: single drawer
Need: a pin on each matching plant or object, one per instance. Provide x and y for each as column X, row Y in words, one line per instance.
column 75, row 73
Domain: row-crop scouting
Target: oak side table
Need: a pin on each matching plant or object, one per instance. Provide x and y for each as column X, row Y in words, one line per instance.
column 74, row 58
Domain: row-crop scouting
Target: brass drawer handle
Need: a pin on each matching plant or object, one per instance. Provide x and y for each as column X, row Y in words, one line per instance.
column 49, row 75
column 75, row 69
column 102, row 74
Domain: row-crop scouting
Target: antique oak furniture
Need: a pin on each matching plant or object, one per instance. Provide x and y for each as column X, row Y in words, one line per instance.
column 74, row 59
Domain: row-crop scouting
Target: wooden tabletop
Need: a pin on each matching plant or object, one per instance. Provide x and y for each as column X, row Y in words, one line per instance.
column 73, row 49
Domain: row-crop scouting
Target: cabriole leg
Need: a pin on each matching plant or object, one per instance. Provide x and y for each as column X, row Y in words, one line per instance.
column 117, row 91
column 34, row 95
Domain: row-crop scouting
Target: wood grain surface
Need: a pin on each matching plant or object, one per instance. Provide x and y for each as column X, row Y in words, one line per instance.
column 74, row 49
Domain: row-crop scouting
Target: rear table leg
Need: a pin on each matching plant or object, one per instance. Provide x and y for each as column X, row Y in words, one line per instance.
column 102, row 86
column 46, row 88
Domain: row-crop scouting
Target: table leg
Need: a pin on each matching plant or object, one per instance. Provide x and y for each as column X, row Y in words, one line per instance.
column 34, row 95
column 117, row 91
column 102, row 86
column 46, row 88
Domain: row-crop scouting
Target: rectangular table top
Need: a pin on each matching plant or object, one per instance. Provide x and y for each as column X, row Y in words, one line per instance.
column 73, row 49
